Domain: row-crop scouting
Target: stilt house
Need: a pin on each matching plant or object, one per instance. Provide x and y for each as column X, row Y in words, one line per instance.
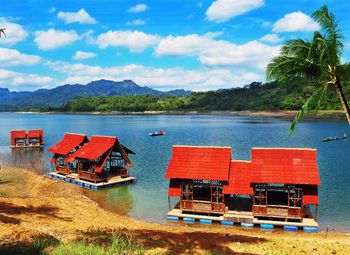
column 103, row 157
column 63, row 149
column 20, row 138
column 277, row 184
column 35, row 138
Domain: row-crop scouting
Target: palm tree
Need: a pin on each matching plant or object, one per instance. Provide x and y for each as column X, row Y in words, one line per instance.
column 317, row 59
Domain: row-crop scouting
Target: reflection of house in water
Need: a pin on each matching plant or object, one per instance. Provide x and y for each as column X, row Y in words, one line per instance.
column 33, row 159
column 277, row 185
column 112, row 199
column 34, row 138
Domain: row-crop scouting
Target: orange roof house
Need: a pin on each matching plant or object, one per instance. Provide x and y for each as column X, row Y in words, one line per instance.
column 20, row 138
column 207, row 180
column 101, row 157
column 63, row 149
column 35, row 137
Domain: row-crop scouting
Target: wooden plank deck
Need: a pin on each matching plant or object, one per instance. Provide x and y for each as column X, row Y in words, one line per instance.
column 26, row 147
column 242, row 217
column 112, row 182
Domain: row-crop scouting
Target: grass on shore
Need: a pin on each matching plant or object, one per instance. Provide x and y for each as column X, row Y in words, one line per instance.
column 117, row 245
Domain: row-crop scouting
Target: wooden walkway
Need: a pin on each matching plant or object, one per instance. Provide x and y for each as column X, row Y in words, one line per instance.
column 112, row 182
column 244, row 219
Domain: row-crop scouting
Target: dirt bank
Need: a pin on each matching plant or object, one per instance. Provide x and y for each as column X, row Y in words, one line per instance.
column 32, row 205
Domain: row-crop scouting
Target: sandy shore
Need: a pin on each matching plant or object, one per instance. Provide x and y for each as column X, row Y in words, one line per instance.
column 322, row 115
column 31, row 205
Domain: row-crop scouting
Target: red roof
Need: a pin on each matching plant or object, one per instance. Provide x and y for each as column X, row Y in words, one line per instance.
column 287, row 166
column 36, row 133
column 204, row 163
column 17, row 134
column 174, row 188
column 239, row 180
column 95, row 148
column 68, row 143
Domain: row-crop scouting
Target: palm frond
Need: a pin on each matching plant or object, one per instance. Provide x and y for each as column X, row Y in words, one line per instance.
column 313, row 104
column 333, row 36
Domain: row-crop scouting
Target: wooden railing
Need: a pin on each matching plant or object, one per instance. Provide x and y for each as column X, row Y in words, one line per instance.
column 277, row 211
column 202, row 206
column 90, row 176
column 62, row 169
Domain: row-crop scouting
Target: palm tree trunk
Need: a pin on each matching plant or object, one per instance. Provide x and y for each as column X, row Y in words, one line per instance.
column 342, row 99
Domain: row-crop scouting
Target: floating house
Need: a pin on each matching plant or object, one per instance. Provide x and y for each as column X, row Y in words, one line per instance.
column 35, row 138
column 63, row 149
column 278, row 185
column 20, row 139
column 102, row 158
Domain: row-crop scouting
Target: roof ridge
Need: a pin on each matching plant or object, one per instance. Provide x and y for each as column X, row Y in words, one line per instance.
column 68, row 133
column 195, row 146
column 107, row 136
column 282, row 148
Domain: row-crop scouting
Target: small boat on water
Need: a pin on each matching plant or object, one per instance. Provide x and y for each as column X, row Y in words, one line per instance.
column 161, row 132
column 330, row 139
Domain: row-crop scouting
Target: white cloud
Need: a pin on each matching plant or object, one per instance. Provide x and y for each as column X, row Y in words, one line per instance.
column 271, row 38
column 52, row 39
column 188, row 45
column 223, row 10
column 138, row 8
column 14, row 32
column 15, row 80
column 212, row 52
column 136, row 22
column 136, row 41
column 160, row 78
column 252, row 54
column 83, row 55
column 294, row 22
column 11, row 57
column 81, row 17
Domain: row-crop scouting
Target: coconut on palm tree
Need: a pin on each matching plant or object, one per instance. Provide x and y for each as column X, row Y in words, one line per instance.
column 318, row 59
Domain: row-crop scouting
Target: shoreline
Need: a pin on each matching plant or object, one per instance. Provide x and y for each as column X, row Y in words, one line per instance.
column 33, row 204
column 322, row 114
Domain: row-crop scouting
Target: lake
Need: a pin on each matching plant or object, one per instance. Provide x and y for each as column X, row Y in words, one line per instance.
column 147, row 199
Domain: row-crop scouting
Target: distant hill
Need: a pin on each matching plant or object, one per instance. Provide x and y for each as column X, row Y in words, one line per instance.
column 61, row 95
column 254, row 97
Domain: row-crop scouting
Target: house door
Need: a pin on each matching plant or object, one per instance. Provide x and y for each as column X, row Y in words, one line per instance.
column 260, row 202
column 186, row 196
column 217, row 199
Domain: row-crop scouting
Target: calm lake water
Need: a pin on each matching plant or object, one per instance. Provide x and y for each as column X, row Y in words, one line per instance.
column 147, row 200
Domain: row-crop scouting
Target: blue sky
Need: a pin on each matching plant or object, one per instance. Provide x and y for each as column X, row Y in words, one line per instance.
column 164, row 44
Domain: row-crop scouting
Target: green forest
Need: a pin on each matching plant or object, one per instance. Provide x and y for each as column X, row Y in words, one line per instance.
column 253, row 97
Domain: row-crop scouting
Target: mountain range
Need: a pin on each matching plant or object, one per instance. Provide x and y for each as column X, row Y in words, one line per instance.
column 61, row 95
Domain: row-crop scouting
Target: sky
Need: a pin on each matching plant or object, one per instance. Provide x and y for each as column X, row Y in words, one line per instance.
column 196, row 45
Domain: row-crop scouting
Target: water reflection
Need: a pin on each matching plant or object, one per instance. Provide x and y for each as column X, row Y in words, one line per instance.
column 118, row 200
column 33, row 159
